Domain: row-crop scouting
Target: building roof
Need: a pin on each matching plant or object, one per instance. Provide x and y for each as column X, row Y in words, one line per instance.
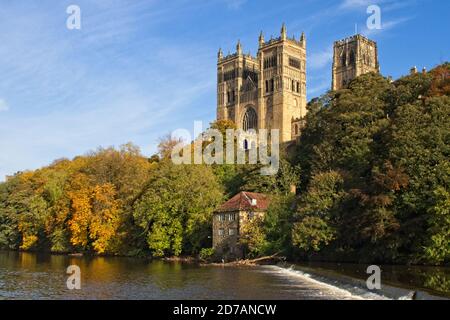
column 246, row 201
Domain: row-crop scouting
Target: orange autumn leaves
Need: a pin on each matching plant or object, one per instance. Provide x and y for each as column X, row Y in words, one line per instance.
column 95, row 214
column 78, row 205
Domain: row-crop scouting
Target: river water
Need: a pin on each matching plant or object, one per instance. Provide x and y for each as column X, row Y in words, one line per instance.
column 42, row 276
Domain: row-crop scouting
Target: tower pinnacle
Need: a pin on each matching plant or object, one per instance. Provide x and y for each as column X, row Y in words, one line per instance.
column 283, row 32
column 303, row 39
column 239, row 48
column 261, row 39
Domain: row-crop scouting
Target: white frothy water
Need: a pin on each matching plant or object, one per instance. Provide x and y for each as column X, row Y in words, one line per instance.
column 325, row 288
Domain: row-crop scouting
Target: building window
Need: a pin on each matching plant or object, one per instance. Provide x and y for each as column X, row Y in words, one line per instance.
column 231, row 231
column 270, row 62
column 352, row 58
column 250, row 120
column 220, row 232
column 293, row 85
column 231, row 217
column 229, row 75
column 270, row 85
column 298, row 87
column 294, row 63
column 296, row 129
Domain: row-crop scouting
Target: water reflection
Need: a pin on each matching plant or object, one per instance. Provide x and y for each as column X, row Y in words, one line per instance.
column 42, row 276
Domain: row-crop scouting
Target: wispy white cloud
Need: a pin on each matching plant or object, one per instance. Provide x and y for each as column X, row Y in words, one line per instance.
column 385, row 5
column 318, row 60
column 319, row 88
column 3, row 105
column 385, row 26
column 235, row 4
column 355, row 4
column 103, row 85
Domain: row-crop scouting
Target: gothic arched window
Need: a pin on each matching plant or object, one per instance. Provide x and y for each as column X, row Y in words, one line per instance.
column 352, row 58
column 250, row 120
column 344, row 60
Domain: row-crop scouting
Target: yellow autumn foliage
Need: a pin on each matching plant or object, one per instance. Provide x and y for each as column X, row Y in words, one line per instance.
column 95, row 214
column 28, row 241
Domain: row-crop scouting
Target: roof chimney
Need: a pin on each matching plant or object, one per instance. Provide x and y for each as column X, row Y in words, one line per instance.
column 413, row 70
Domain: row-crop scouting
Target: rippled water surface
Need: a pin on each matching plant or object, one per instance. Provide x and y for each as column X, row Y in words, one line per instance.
column 39, row 276
column 43, row 276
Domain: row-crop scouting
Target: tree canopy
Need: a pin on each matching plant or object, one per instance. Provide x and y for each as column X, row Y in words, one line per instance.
column 371, row 170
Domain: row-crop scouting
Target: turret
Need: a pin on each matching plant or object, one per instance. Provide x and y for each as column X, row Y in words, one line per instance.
column 303, row 40
column 239, row 48
column 220, row 54
column 261, row 39
column 283, row 32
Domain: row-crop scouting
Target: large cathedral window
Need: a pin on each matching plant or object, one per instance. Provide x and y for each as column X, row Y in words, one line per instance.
column 352, row 58
column 250, row 120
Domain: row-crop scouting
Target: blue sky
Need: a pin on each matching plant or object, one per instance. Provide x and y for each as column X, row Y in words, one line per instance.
column 138, row 70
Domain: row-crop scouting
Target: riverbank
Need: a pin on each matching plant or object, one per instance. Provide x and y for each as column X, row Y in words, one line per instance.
column 398, row 282
column 26, row 275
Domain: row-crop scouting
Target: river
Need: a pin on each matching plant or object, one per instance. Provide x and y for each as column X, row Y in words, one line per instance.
column 43, row 276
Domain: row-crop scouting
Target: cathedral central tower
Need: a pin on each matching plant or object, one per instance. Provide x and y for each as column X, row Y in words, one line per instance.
column 267, row 91
column 353, row 57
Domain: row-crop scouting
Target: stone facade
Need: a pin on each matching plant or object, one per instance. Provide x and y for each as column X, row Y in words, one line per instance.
column 267, row 91
column 353, row 57
column 229, row 219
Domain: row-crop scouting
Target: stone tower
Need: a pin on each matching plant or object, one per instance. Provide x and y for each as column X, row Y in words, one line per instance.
column 267, row 91
column 353, row 57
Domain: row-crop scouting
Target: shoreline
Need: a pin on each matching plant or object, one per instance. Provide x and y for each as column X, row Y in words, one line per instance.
column 337, row 278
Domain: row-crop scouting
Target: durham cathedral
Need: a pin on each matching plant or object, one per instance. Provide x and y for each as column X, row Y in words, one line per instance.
column 269, row 91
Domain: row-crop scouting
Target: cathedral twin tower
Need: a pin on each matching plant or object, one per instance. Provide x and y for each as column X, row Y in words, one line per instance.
column 269, row 91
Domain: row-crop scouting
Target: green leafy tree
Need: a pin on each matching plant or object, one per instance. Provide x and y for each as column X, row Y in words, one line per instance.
column 252, row 237
column 316, row 223
column 175, row 209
